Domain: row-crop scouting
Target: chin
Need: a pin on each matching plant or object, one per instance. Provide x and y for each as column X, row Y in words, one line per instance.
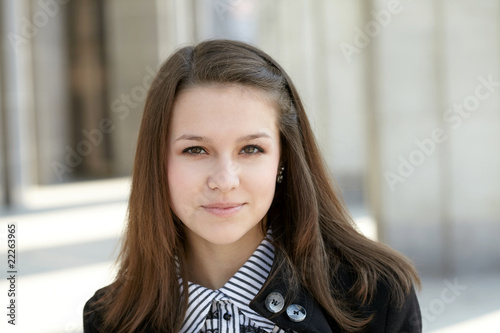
column 226, row 235
column 223, row 238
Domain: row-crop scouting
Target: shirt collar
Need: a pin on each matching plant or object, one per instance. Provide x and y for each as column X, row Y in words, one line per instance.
column 240, row 289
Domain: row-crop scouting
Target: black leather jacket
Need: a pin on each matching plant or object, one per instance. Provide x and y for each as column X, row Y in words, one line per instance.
column 387, row 318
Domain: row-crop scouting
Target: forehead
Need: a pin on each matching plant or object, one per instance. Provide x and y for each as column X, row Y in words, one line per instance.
column 217, row 110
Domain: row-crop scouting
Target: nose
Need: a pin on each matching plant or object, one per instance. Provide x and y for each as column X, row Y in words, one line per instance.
column 225, row 177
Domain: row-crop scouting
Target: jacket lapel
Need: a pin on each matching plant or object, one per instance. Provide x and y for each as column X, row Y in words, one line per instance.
column 314, row 320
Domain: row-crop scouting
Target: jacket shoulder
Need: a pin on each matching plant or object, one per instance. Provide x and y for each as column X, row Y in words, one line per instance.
column 393, row 317
column 387, row 315
column 92, row 319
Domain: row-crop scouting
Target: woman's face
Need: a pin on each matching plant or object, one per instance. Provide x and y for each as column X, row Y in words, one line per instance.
column 223, row 159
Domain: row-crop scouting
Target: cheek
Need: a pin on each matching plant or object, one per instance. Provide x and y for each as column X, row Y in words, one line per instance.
column 182, row 182
column 261, row 181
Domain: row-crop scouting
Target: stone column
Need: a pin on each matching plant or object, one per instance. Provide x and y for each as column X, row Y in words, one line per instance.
column 132, row 60
column 18, row 27
column 52, row 91
column 405, row 87
column 436, row 97
column 472, row 121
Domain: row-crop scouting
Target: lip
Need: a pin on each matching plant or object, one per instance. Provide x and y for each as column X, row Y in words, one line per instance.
column 224, row 209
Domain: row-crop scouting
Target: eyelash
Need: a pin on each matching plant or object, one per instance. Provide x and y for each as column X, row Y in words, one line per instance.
column 188, row 150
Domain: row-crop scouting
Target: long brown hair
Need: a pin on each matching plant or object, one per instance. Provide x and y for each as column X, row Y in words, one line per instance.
column 310, row 223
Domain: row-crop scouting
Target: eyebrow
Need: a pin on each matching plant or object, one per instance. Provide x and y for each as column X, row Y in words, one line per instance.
column 191, row 137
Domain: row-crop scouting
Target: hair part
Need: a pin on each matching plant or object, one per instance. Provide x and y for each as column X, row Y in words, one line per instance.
column 311, row 226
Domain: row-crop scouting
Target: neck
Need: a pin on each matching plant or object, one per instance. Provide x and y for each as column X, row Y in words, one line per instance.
column 212, row 265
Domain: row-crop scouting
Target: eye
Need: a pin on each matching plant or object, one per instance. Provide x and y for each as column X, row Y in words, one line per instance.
column 252, row 150
column 194, row 151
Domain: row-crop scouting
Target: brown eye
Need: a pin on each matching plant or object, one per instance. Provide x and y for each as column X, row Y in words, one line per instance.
column 252, row 150
column 194, row 151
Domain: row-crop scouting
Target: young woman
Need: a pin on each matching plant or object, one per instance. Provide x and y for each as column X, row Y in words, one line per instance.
column 234, row 224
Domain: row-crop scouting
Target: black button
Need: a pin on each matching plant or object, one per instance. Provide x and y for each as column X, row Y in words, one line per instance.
column 227, row 316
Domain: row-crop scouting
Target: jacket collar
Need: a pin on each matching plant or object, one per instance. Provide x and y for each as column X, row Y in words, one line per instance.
column 314, row 321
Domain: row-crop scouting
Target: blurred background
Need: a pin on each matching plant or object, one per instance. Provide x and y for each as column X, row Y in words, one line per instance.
column 403, row 95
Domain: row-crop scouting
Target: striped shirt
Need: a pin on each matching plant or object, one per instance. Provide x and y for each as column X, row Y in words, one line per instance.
column 226, row 310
